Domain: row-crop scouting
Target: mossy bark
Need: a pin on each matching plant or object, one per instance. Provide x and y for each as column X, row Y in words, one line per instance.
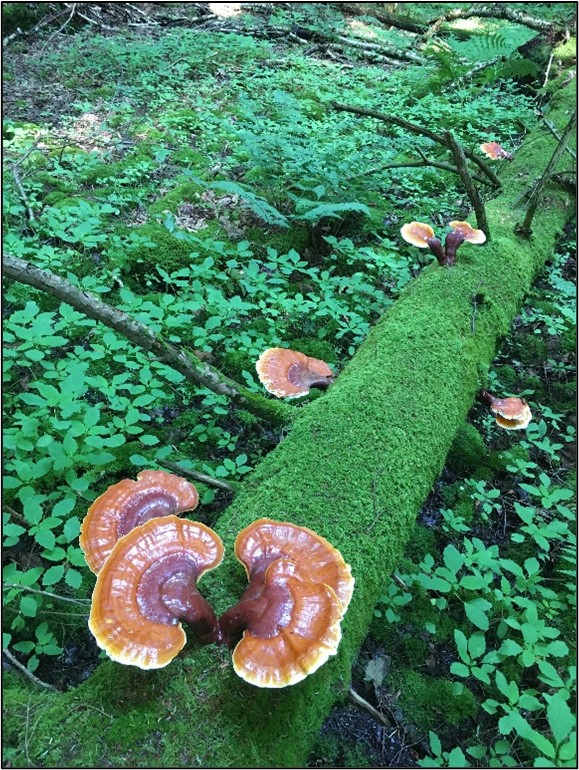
column 355, row 466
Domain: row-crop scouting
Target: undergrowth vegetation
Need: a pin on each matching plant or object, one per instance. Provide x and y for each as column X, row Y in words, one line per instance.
column 202, row 183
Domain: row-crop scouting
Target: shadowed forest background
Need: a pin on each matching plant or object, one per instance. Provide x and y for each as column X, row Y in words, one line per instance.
column 232, row 177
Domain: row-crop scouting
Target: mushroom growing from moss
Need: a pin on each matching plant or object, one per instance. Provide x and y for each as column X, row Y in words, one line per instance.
column 461, row 232
column 128, row 504
column 290, row 374
column 147, row 585
column 279, row 558
column 290, row 627
column 511, row 413
column 422, row 236
column 494, row 151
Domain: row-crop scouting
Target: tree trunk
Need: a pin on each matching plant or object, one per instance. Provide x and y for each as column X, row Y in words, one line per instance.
column 355, row 466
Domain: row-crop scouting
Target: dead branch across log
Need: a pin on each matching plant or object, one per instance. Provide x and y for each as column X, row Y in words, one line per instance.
column 388, row 19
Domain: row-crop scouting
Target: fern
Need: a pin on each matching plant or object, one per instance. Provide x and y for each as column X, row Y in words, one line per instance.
column 321, row 210
column 256, row 203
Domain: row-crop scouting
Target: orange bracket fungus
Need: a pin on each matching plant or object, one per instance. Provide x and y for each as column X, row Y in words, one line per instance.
column 510, row 413
column 287, row 623
column 422, row 236
column 290, row 374
column 128, row 504
column 147, row 585
column 494, row 151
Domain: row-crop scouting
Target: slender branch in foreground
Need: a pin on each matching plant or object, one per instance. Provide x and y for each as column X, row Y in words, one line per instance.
column 23, row 196
column 557, row 136
column 466, row 179
column 17, row 664
column 183, row 361
column 416, row 164
column 202, row 477
column 525, row 228
column 415, row 129
column 60, row 598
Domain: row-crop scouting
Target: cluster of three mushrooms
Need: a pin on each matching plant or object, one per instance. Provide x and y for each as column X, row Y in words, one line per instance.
column 148, row 562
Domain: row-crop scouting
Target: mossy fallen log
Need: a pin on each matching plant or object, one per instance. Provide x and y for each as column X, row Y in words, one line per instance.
column 355, row 466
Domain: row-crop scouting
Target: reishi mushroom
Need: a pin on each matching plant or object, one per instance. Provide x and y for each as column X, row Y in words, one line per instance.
column 128, row 504
column 291, row 628
column 147, row 585
column 422, row 236
column 494, row 151
column 511, row 413
column 299, row 589
column 290, row 374
column 461, row 232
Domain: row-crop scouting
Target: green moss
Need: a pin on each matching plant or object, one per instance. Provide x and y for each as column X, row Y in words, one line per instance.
column 508, row 377
column 566, row 52
column 183, row 193
column 468, row 450
column 426, row 700
column 314, row 348
column 169, row 252
column 423, row 541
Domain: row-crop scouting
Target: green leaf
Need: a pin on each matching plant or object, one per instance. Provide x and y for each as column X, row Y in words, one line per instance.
column 558, row 648
column 476, row 613
column 28, row 606
column 53, row 575
column 477, row 645
column 477, row 752
column 73, row 578
column 71, row 528
column 64, row 506
column 459, row 669
column 510, row 647
column 45, row 537
column 148, row 440
column 560, row 718
column 453, row 558
column 456, row 758
column 435, row 745
column 139, row 460
column 100, row 458
column 6, row 639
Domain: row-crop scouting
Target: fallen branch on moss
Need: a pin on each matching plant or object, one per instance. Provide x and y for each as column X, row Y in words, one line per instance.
column 18, row 665
column 183, row 361
column 494, row 11
column 388, row 19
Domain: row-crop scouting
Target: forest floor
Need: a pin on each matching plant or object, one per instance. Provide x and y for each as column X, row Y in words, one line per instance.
column 106, row 143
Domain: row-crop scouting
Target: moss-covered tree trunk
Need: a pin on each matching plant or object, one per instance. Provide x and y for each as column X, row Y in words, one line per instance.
column 356, row 466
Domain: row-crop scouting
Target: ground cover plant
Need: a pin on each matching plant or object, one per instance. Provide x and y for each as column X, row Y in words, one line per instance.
column 233, row 209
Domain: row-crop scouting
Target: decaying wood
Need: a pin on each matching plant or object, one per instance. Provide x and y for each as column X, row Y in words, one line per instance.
column 388, row 19
column 494, row 11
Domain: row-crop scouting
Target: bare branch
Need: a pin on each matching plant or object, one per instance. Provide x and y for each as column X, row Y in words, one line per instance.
column 202, row 477
column 466, row 179
column 17, row 664
column 183, row 361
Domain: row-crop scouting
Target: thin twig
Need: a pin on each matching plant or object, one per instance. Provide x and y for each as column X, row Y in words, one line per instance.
column 202, row 477
column 17, row 664
column 398, row 580
column 82, row 602
column 471, row 191
column 548, row 70
column 23, row 196
column 415, row 164
column 525, row 229
column 59, row 30
column 354, row 696
column 557, row 136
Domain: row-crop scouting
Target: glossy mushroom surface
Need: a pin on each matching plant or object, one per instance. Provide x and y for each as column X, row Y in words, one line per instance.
column 494, row 151
column 147, row 586
column 129, row 504
column 293, row 629
column 290, row 374
column 266, row 540
column 468, row 232
column 511, row 413
column 422, row 235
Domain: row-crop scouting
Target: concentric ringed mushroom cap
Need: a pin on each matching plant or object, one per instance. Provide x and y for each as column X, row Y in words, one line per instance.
column 297, row 632
column 511, row 413
column 147, row 584
column 417, row 233
column 494, row 150
column 128, row 504
column 468, row 232
column 290, row 374
column 265, row 540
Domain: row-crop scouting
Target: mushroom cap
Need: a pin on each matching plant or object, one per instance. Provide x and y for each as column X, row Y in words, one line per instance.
column 265, row 541
column 511, row 413
column 297, row 632
column 290, row 374
column 128, row 504
column 468, row 232
column 494, row 150
column 417, row 233
column 140, row 590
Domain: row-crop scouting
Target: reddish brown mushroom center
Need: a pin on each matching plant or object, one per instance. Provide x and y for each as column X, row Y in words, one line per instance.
column 167, row 593
column 145, row 505
column 264, row 609
column 301, row 376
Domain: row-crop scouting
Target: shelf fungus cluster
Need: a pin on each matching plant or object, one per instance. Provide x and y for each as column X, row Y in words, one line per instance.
column 291, row 374
column 510, row 413
column 494, row 151
column 422, row 236
column 148, row 562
